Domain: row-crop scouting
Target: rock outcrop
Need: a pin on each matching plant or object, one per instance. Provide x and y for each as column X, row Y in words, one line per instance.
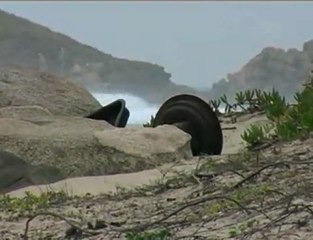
column 20, row 87
column 79, row 146
column 24, row 112
column 43, row 128
column 284, row 70
column 27, row 44
column 15, row 173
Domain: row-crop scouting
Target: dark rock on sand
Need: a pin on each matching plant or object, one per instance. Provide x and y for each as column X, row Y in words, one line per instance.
column 15, row 173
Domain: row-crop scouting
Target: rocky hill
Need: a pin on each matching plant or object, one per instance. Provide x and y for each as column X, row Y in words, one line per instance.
column 26, row 44
column 285, row 70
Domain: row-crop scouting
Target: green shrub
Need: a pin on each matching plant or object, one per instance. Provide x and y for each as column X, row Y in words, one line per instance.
column 30, row 202
column 256, row 135
column 275, row 105
column 298, row 121
column 291, row 121
column 287, row 130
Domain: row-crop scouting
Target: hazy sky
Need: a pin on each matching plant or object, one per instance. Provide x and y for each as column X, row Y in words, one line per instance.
column 197, row 42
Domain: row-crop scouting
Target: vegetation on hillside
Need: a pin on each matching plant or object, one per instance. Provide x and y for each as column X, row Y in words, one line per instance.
column 288, row 122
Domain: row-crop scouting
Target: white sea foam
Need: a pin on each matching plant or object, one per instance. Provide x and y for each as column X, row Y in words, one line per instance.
column 140, row 110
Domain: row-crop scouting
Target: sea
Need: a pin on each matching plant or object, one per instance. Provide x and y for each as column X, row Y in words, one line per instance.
column 140, row 110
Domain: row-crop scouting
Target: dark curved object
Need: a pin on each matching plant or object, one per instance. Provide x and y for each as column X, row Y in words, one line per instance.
column 114, row 113
column 194, row 116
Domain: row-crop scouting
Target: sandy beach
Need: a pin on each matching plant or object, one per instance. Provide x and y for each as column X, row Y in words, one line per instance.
column 106, row 184
column 219, row 204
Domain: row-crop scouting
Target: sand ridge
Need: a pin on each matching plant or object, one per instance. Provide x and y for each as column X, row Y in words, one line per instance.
column 273, row 202
column 109, row 183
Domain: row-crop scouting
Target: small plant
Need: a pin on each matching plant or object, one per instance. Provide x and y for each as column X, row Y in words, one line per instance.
column 235, row 231
column 254, row 135
column 287, row 130
column 162, row 234
column 30, row 202
column 275, row 105
column 243, row 195
column 255, row 100
column 249, row 193
column 298, row 119
column 215, row 104
column 259, row 101
column 228, row 107
column 289, row 121
column 249, row 97
column 240, row 97
column 241, row 100
column 150, row 123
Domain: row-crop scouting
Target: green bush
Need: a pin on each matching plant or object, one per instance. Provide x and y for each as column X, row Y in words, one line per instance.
column 31, row 202
column 274, row 105
column 298, row 120
column 256, row 135
column 291, row 121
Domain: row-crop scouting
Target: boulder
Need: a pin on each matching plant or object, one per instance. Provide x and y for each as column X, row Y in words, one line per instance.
column 20, row 87
column 24, row 112
column 13, row 170
column 83, row 147
column 15, row 173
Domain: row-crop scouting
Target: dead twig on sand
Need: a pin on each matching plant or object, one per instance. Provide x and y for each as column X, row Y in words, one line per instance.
column 180, row 209
column 255, row 197
column 253, row 175
column 69, row 222
column 138, row 227
column 263, row 145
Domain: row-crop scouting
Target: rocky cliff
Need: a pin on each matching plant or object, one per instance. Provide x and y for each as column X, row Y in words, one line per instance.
column 285, row 70
column 26, row 44
column 31, row 45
